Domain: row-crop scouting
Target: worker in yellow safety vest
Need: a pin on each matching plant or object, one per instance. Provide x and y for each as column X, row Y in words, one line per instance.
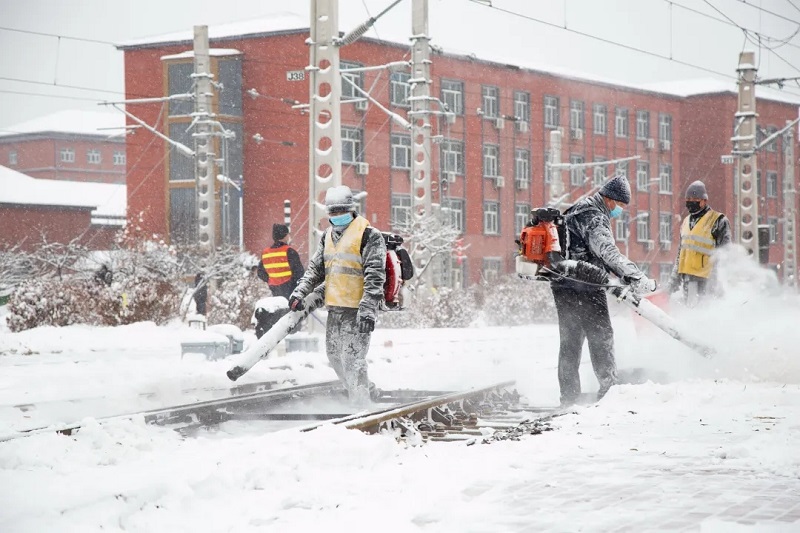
column 280, row 264
column 351, row 260
column 702, row 233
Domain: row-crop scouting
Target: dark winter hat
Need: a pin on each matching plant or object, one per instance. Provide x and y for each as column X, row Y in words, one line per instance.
column 697, row 189
column 279, row 231
column 617, row 188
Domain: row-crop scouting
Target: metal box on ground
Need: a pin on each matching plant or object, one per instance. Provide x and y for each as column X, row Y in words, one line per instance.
column 211, row 345
column 302, row 342
column 233, row 333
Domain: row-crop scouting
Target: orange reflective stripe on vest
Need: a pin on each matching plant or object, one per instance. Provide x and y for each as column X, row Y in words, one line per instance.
column 276, row 263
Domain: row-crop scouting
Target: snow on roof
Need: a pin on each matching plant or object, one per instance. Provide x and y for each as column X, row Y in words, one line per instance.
column 700, row 86
column 215, row 52
column 108, row 200
column 75, row 121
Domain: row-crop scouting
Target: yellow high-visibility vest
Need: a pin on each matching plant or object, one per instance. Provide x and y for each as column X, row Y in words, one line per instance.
column 344, row 269
column 697, row 245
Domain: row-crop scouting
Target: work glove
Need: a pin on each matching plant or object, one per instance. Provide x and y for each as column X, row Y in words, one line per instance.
column 296, row 303
column 366, row 325
column 643, row 285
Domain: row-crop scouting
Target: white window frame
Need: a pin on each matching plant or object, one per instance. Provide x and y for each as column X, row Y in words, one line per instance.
column 642, row 226
column 401, row 151
column 400, row 209
column 67, row 155
column 622, row 168
column 773, row 229
column 665, row 127
column 621, row 122
column 551, row 118
column 772, row 146
column 598, row 172
column 665, row 227
column 664, row 273
column 491, row 160
column 522, row 106
column 576, row 175
column 348, row 92
column 93, row 157
column 490, row 101
column 622, row 227
column 576, row 116
column 548, row 172
column 352, row 137
column 456, row 274
column 491, row 218
column 522, row 165
column 642, row 175
column 492, row 268
column 119, row 158
column 772, row 184
column 455, row 208
column 13, row 158
column 600, row 119
column 452, row 156
column 453, row 96
column 522, row 214
column 665, row 178
column 642, row 125
column 400, row 89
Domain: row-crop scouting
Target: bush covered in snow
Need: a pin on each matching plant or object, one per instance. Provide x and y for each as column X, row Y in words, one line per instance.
column 234, row 299
column 44, row 302
column 507, row 302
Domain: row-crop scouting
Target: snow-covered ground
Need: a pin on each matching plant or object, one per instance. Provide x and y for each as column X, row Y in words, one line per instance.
column 707, row 445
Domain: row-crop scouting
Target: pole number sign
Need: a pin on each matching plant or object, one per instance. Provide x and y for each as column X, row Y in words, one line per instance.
column 295, row 75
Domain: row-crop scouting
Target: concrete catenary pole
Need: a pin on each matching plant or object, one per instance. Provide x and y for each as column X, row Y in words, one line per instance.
column 420, row 124
column 556, row 183
column 790, row 205
column 325, row 93
column 744, row 140
column 204, row 166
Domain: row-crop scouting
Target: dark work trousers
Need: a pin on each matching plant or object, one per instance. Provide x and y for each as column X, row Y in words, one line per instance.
column 347, row 352
column 584, row 315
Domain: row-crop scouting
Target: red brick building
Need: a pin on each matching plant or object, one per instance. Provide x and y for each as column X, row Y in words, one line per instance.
column 74, row 145
column 491, row 157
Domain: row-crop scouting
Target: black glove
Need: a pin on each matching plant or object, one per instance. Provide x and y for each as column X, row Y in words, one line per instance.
column 296, row 303
column 366, row 325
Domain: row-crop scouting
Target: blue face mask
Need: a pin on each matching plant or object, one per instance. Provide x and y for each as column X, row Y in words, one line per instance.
column 341, row 220
column 616, row 212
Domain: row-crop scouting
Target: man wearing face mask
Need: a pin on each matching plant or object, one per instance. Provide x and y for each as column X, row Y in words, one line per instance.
column 583, row 308
column 702, row 232
column 351, row 260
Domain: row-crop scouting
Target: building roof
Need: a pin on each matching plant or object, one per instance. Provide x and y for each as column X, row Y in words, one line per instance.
column 71, row 121
column 108, row 201
column 451, row 42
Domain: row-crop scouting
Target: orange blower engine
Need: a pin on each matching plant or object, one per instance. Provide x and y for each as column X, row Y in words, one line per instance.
column 541, row 242
column 399, row 269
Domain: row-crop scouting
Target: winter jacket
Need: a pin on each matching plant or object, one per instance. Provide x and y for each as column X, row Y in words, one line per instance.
column 720, row 232
column 295, row 265
column 373, row 260
column 589, row 238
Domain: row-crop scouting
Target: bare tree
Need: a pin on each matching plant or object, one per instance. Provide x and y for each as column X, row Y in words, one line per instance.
column 432, row 236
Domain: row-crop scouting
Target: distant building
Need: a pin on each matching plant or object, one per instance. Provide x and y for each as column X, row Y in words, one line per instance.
column 489, row 160
column 74, row 145
column 58, row 210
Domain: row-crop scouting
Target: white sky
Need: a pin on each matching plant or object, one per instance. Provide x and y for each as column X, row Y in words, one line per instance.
column 658, row 26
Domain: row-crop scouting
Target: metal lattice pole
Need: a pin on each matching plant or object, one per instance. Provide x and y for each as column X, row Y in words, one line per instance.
column 204, row 166
column 744, row 140
column 789, row 201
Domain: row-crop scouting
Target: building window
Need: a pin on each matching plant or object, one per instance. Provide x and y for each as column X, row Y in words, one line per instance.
column 522, row 214
column 772, row 184
column 622, row 168
column 453, row 157
column 642, row 125
column 401, row 210
column 12, row 158
column 180, row 81
column 642, row 175
column 400, row 89
column 491, row 218
column 550, row 112
column 599, row 114
column 230, row 95
column 454, row 208
column 621, row 230
column 522, row 166
column 352, row 151
column 576, row 177
column 181, row 166
column 772, row 146
column 665, row 227
column 491, row 101
column 119, row 158
column 492, row 267
column 401, row 151
column 548, row 172
column 453, row 96
column 621, row 122
column 457, row 273
column 491, row 163
column 773, row 229
column 598, row 173
column 522, row 106
column 664, row 273
column 665, row 127
column 576, row 118
column 348, row 92
column 93, row 157
column 643, row 226
column 67, row 155
column 665, row 179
